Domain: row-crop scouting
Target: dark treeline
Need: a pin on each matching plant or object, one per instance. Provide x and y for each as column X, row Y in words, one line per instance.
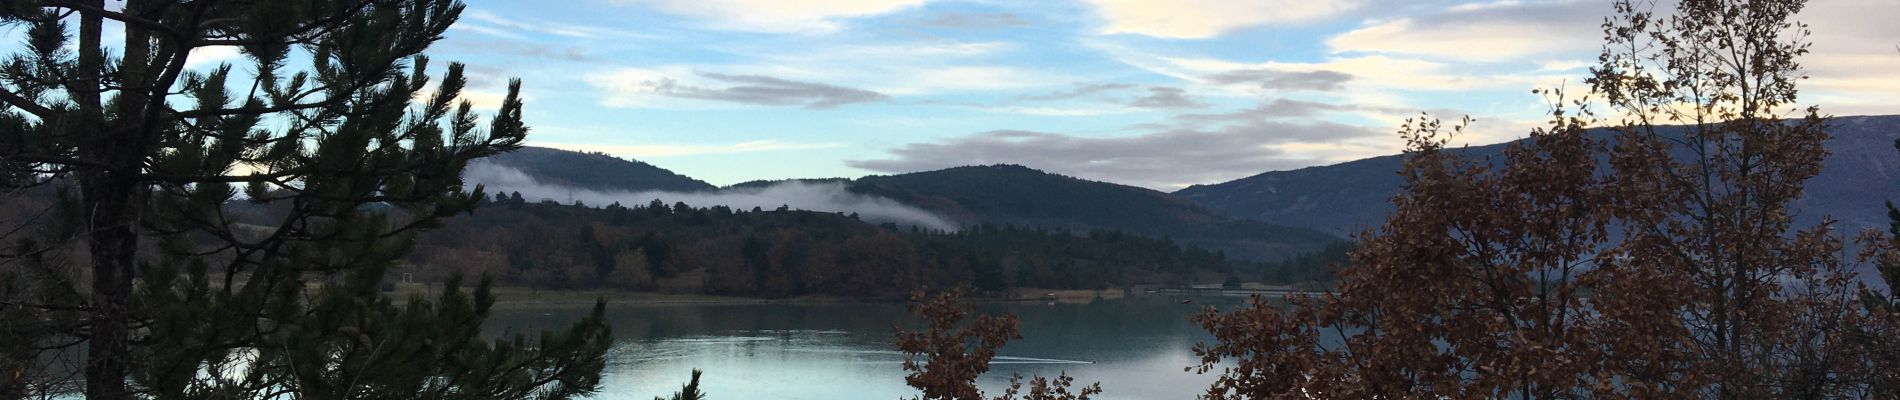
column 1313, row 269
column 783, row 252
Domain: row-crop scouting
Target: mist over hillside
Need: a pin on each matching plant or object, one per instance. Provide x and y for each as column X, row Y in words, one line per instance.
column 824, row 197
column 947, row 199
column 593, row 170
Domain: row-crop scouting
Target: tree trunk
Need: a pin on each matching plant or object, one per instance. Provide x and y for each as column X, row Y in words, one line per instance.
column 113, row 216
column 111, row 199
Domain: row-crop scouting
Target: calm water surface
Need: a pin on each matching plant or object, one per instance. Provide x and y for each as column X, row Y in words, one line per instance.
column 1136, row 347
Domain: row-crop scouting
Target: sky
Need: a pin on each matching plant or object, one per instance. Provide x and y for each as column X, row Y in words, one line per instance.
column 1154, row 93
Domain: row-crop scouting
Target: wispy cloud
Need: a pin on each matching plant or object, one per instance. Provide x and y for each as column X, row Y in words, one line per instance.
column 1199, row 19
column 779, row 16
column 1282, row 108
column 975, row 20
column 491, row 23
column 1082, row 90
column 730, row 88
column 677, row 150
column 1485, row 32
column 1166, row 97
column 1167, row 159
column 1320, row 80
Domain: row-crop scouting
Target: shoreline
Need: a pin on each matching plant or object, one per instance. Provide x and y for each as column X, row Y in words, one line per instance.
column 525, row 297
column 517, row 297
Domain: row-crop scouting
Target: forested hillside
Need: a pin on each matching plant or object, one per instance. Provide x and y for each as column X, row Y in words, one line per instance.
column 776, row 253
column 1012, row 194
column 962, row 196
column 595, row 171
column 1348, row 197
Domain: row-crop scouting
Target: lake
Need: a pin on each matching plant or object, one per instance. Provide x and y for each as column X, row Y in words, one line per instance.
column 1136, row 346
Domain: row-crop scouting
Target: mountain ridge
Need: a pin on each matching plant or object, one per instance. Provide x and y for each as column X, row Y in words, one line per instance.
column 1860, row 173
column 1019, row 195
column 597, row 171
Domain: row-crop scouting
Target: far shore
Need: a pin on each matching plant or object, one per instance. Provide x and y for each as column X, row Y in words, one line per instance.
column 508, row 297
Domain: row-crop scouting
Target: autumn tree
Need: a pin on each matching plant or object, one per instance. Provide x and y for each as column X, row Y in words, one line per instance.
column 223, row 231
column 1758, row 305
column 945, row 359
column 1880, row 336
column 1655, row 258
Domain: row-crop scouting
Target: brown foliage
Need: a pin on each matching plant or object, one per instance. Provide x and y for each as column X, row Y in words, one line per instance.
column 945, row 359
column 1660, row 263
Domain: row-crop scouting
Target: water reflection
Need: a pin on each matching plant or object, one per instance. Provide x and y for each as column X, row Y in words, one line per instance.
column 1136, row 347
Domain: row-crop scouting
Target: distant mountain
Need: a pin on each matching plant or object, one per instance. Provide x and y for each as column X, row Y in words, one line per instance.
column 1017, row 195
column 1861, row 173
column 1000, row 195
column 594, row 171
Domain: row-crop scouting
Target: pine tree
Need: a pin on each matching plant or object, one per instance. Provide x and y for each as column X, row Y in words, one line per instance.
column 177, row 286
column 688, row 392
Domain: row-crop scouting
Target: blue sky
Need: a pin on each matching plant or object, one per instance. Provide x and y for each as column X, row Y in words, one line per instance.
column 1153, row 93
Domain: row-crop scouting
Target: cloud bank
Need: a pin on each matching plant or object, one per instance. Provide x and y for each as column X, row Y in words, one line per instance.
column 1200, row 19
column 1164, row 160
column 776, row 16
column 829, row 197
column 744, row 89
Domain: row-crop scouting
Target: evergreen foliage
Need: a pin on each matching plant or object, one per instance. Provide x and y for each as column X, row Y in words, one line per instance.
column 688, row 392
column 140, row 259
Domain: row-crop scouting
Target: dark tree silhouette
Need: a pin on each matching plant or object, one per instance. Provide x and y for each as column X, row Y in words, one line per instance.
column 177, row 286
column 945, row 359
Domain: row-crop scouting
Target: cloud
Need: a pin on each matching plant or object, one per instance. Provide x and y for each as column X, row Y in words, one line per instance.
column 1283, row 108
column 1370, row 74
column 487, row 30
column 1165, row 160
column 776, row 16
column 1082, row 90
column 1852, row 65
column 1157, row 97
column 1200, row 19
column 975, row 21
column 1377, row 71
column 211, row 56
column 518, row 48
column 822, row 197
column 1054, row 111
column 1484, row 32
column 1321, row 80
column 1166, row 97
column 483, row 21
column 675, row 150
column 629, row 84
column 961, row 79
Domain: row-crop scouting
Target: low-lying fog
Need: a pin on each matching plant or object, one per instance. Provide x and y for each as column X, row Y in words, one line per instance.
column 823, row 197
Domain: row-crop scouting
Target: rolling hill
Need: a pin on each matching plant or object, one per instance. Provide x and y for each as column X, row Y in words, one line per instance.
column 1862, row 172
column 1017, row 195
column 594, row 171
column 998, row 195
